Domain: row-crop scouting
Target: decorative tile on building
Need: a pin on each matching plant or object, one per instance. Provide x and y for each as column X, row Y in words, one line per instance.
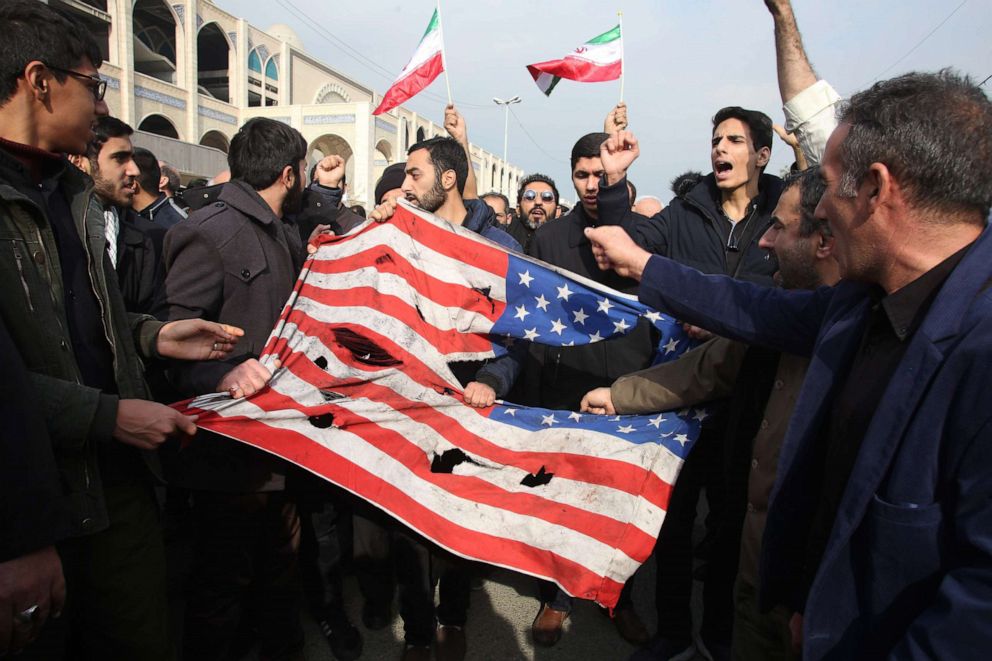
column 285, row 120
column 218, row 115
column 263, row 52
column 199, row 21
column 384, row 125
column 380, row 162
column 153, row 95
column 234, row 40
column 328, row 119
column 112, row 83
column 181, row 13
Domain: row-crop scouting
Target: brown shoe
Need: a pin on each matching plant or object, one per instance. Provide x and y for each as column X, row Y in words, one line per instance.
column 450, row 643
column 630, row 627
column 546, row 629
column 416, row 653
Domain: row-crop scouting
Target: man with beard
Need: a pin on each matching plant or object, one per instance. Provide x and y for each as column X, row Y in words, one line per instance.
column 436, row 172
column 537, row 201
column 558, row 377
column 134, row 245
column 763, row 385
column 239, row 259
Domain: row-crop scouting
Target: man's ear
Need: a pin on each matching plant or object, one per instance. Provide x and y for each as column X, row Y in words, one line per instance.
column 81, row 162
column 879, row 186
column 288, row 177
column 162, row 182
column 37, row 77
column 449, row 180
column 764, row 155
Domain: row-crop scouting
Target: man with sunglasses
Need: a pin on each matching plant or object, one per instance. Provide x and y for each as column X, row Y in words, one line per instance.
column 82, row 352
column 537, row 201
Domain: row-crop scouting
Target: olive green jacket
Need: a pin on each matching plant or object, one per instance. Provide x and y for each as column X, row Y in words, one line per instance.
column 77, row 417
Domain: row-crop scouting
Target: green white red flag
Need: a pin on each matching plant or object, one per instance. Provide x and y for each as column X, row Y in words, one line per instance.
column 426, row 64
column 598, row 60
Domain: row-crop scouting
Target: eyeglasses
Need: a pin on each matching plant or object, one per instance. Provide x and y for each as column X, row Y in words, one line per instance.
column 531, row 195
column 97, row 85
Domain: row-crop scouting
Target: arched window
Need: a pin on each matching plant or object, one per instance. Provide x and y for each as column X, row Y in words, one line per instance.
column 254, row 62
column 272, row 69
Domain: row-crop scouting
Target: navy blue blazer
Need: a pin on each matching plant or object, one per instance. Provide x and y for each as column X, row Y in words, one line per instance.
column 907, row 571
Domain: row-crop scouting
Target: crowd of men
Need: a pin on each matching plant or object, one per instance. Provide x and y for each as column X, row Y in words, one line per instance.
column 840, row 314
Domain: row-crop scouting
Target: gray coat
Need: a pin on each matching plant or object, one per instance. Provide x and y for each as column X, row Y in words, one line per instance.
column 233, row 261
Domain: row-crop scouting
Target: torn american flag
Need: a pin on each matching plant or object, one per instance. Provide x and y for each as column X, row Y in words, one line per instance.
column 365, row 398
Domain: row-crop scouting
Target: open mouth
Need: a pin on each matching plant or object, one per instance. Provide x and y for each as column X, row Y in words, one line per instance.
column 722, row 167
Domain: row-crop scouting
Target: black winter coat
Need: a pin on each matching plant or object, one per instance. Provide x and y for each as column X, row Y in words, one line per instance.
column 693, row 230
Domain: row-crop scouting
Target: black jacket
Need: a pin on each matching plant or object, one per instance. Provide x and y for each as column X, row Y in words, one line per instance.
column 140, row 272
column 322, row 206
column 234, row 262
column 693, row 230
column 519, row 230
column 558, row 377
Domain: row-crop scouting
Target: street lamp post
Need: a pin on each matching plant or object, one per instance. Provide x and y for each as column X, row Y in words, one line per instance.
column 506, row 119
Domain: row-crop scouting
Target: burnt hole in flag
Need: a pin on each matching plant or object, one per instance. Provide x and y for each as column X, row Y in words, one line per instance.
column 321, row 362
column 447, row 460
column 363, row 349
column 485, row 291
column 382, row 259
column 322, row 421
column 419, row 313
column 538, row 479
column 330, row 395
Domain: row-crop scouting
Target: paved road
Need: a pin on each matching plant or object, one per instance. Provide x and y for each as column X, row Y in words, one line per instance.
column 499, row 625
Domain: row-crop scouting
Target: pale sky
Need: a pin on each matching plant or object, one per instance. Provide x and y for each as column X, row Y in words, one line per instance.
column 685, row 59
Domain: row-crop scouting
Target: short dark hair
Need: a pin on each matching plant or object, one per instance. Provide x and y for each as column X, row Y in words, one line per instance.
column 359, row 210
column 531, row 178
column 933, row 131
column 632, row 189
column 759, row 124
column 261, row 149
column 172, row 174
column 492, row 193
column 446, row 154
column 149, row 172
column 811, row 188
column 588, row 146
column 685, row 182
column 105, row 129
column 35, row 31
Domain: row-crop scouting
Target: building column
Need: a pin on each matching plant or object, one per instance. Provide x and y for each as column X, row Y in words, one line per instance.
column 188, row 77
column 362, row 187
column 122, row 36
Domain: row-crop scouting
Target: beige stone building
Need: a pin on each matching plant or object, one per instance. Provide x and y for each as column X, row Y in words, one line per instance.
column 186, row 74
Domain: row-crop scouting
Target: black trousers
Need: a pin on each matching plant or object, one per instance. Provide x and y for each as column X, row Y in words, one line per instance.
column 244, row 574
column 705, row 466
column 116, row 605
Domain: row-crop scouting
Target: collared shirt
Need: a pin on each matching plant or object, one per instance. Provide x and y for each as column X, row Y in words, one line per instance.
column 891, row 324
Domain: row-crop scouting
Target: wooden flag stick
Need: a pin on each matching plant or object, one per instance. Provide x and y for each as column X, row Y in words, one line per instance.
column 623, row 64
column 444, row 55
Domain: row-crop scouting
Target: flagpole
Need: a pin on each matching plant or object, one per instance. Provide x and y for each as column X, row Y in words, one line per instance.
column 444, row 55
column 623, row 65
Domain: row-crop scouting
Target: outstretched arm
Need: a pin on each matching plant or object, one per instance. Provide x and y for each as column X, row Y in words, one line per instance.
column 794, row 70
column 454, row 123
column 809, row 104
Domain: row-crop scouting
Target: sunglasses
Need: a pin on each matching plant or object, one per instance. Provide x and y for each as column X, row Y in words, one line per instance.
column 531, row 195
column 96, row 84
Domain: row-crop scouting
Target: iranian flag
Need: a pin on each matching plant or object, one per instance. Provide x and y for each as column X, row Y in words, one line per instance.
column 598, row 60
column 426, row 64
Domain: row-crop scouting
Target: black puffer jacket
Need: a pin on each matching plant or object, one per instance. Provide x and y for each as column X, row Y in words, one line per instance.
column 693, row 230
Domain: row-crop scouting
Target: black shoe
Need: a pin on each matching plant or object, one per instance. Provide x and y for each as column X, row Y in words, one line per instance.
column 344, row 640
column 375, row 618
